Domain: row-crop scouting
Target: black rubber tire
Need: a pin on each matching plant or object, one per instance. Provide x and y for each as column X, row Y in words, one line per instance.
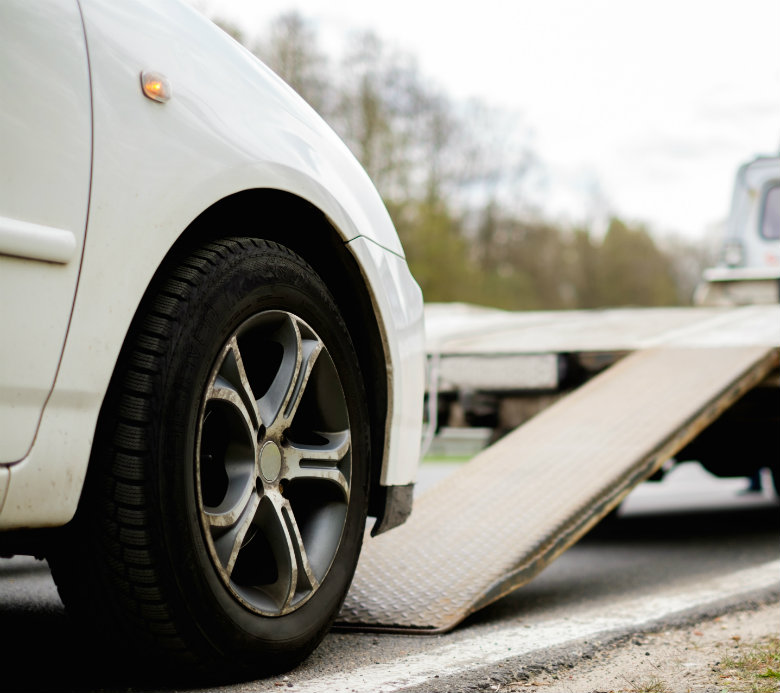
column 134, row 567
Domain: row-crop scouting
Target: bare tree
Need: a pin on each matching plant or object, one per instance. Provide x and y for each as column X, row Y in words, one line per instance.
column 291, row 49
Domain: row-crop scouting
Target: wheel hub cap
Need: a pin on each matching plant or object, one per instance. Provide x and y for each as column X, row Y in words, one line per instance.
column 270, row 461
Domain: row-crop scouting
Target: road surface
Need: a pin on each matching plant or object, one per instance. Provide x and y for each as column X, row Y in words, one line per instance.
column 687, row 547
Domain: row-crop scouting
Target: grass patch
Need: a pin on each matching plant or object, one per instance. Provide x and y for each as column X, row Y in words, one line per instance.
column 756, row 669
column 652, row 685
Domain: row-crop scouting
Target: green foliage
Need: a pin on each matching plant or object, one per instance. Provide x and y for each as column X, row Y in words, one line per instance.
column 632, row 271
column 441, row 166
column 756, row 668
column 536, row 265
column 438, row 257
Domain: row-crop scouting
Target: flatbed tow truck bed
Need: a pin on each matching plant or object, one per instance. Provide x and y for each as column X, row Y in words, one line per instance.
column 502, row 517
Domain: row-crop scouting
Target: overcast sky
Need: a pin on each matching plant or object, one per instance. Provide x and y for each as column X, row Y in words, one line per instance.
column 652, row 104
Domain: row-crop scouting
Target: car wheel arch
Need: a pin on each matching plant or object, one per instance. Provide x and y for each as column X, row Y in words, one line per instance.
column 292, row 221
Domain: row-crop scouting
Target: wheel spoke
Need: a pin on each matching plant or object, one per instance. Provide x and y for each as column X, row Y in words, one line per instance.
column 240, row 487
column 279, row 404
column 228, row 544
column 288, row 547
column 232, row 385
column 309, row 351
column 311, row 461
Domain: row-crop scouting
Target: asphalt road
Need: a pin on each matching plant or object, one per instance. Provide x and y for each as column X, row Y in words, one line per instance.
column 687, row 547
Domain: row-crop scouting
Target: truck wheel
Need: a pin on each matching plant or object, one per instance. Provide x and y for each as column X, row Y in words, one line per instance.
column 225, row 503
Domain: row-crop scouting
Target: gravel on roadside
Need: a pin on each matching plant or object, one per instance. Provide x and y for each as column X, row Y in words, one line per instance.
column 684, row 659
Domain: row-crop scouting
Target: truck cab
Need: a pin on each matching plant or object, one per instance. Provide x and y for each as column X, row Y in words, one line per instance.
column 748, row 270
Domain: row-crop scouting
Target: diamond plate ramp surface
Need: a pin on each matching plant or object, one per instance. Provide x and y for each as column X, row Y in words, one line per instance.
column 497, row 521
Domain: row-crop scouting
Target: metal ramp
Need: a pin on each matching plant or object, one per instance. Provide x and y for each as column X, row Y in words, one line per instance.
column 501, row 518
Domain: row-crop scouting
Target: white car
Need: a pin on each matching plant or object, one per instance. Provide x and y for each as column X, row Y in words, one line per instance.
column 211, row 351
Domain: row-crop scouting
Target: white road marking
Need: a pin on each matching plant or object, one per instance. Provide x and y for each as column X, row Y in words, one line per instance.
column 511, row 641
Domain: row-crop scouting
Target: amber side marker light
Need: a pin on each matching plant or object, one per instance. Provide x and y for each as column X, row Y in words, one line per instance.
column 155, row 86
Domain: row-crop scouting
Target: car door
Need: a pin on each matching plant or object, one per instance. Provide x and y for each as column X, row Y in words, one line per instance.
column 45, row 160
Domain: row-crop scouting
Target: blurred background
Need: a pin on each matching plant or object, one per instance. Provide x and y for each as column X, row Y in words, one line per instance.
column 538, row 155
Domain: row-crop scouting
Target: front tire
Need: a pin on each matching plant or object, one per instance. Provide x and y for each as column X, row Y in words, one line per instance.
column 225, row 503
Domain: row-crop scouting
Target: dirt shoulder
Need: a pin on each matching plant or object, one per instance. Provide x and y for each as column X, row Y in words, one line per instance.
column 691, row 659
